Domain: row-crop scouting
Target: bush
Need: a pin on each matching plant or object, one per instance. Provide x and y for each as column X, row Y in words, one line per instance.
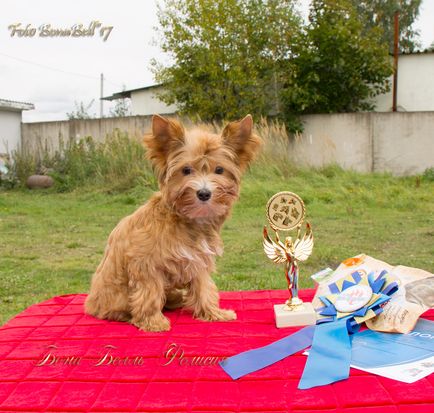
column 118, row 163
column 428, row 175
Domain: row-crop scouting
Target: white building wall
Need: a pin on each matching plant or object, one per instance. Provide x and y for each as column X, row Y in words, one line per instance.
column 10, row 131
column 145, row 102
column 415, row 85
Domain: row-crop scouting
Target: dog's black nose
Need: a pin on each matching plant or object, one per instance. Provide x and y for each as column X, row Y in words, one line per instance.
column 203, row 194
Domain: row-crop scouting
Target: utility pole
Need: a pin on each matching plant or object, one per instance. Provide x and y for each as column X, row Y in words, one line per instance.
column 395, row 61
column 101, row 102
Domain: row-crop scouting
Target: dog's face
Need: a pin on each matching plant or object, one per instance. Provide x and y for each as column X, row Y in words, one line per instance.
column 199, row 172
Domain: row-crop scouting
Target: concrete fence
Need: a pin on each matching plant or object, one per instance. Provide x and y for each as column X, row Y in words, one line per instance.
column 50, row 133
column 401, row 143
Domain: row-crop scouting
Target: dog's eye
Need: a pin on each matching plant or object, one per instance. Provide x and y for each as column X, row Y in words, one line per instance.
column 219, row 170
column 186, row 170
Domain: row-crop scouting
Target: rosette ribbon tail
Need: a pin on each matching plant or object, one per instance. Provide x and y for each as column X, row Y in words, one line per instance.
column 351, row 301
column 329, row 357
column 253, row 360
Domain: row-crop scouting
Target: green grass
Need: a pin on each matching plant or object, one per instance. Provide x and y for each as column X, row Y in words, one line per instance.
column 50, row 243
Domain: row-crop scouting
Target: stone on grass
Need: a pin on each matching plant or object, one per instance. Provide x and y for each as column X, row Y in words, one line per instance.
column 39, row 181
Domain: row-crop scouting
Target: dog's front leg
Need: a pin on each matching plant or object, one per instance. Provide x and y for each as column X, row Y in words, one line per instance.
column 203, row 298
column 146, row 298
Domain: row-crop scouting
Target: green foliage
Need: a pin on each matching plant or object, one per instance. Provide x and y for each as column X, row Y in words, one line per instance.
column 233, row 57
column 342, row 63
column 428, row 175
column 7, row 178
column 227, row 55
column 117, row 164
column 122, row 108
column 380, row 13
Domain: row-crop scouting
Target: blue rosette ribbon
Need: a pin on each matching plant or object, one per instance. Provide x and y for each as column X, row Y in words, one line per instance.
column 352, row 300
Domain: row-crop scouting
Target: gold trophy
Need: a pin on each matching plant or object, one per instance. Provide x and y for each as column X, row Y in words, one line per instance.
column 286, row 212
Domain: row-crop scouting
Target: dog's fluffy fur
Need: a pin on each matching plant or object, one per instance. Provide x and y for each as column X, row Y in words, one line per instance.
column 163, row 254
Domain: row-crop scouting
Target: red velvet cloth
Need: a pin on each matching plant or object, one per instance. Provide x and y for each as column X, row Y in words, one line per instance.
column 186, row 384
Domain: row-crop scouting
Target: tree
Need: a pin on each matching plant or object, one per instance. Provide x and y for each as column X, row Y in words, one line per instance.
column 226, row 56
column 340, row 65
column 122, row 108
column 233, row 57
column 380, row 13
column 81, row 111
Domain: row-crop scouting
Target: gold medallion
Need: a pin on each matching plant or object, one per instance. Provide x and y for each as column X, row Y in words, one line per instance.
column 285, row 211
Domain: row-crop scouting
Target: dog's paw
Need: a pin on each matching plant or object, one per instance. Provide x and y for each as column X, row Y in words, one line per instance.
column 218, row 314
column 154, row 323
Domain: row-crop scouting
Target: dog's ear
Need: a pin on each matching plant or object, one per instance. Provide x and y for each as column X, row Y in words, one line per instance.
column 240, row 138
column 167, row 135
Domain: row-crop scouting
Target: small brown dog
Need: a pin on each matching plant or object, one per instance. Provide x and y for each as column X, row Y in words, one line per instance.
column 164, row 253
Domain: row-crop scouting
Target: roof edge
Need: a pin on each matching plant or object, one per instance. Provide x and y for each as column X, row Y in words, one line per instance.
column 127, row 93
column 13, row 105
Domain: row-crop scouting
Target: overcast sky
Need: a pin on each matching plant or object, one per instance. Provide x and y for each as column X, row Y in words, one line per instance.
column 53, row 73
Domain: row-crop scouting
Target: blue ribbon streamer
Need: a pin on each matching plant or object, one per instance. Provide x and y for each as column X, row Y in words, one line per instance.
column 330, row 355
column 253, row 360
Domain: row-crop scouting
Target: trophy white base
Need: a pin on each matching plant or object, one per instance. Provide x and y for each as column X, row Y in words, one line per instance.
column 303, row 315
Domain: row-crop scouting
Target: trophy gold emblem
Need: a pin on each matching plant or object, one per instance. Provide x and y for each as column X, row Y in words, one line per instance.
column 286, row 212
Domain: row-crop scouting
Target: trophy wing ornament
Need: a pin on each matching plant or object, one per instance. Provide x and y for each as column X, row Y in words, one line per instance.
column 303, row 246
column 273, row 250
